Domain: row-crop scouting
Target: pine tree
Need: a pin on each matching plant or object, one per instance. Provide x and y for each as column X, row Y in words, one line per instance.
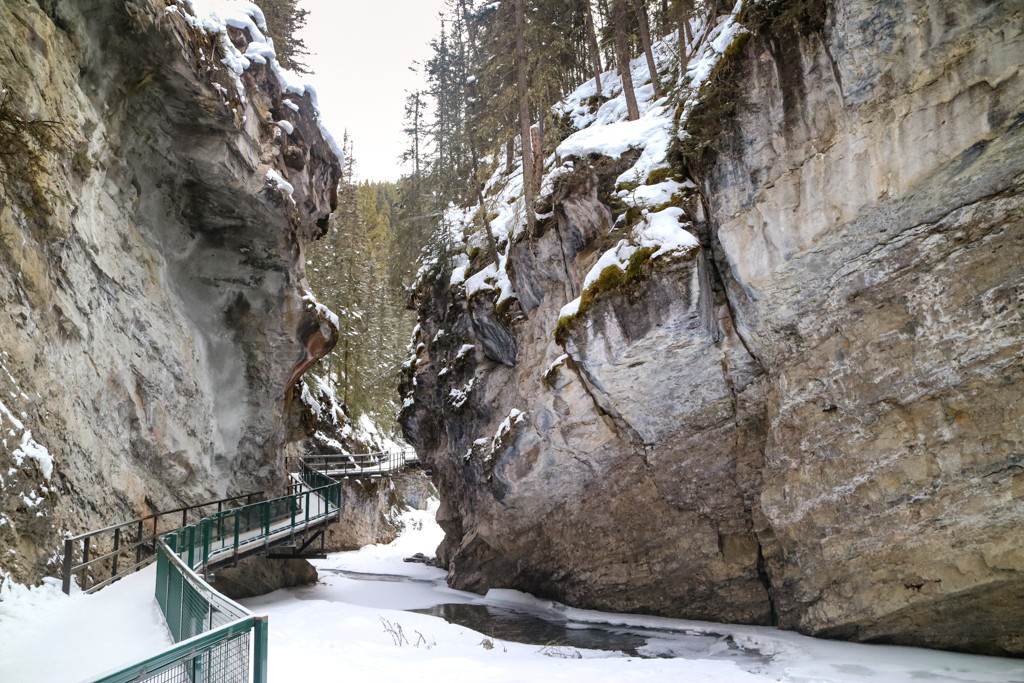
column 682, row 12
column 594, row 48
column 285, row 20
column 619, row 16
column 522, row 95
column 645, row 42
column 351, row 271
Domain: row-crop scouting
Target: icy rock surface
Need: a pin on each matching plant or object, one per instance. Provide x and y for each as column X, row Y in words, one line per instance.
column 814, row 420
column 151, row 278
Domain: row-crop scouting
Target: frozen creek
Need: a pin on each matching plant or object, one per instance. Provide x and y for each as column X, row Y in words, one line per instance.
column 373, row 616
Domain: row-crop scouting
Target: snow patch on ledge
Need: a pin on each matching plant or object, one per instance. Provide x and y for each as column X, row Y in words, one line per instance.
column 662, row 231
column 615, row 139
column 33, row 451
column 278, row 181
column 322, row 311
column 214, row 17
column 515, row 416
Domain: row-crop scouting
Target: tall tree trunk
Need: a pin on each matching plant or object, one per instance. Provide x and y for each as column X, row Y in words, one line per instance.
column 492, row 244
column 683, row 11
column 416, row 139
column 645, row 40
column 510, row 154
column 537, row 141
column 622, row 56
column 595, row 49
column 470, row 29
column 510, row 144
column 524, row 116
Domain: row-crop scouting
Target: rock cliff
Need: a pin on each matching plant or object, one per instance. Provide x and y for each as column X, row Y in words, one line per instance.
column 812, row 418
column 160, row 183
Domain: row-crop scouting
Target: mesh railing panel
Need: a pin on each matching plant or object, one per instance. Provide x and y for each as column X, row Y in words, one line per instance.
column 219, row 632
column 189, row 605
column 225, row 662
column 326, row 487
column 217, row 651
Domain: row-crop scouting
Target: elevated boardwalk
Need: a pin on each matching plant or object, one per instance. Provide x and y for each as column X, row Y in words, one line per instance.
column 217, row 639
column 347, row 465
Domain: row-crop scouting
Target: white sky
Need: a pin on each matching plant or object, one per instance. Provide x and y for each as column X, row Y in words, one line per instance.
column 361, row 51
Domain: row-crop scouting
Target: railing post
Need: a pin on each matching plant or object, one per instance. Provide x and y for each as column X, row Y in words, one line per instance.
column 266, row 522
column 69, row 550
column 205, row 531
column 138, row 541
column 161, row 578
column 259, row 665
column 117, row 544
column 85, row 558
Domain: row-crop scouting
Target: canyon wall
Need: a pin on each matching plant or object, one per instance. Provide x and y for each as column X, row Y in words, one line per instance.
column 153, row 222
column 813, row 419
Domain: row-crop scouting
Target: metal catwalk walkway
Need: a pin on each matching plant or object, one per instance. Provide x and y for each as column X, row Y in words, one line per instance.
column 217, row 640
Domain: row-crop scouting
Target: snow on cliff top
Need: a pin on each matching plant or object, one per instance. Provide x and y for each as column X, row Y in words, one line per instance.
column 216, row 16
column 604, row 128
column 607, row 130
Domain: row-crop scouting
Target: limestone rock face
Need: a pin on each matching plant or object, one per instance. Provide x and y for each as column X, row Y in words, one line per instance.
column 151, row 275
column 870, row 219
column 259, row 575
column 370, row 507
column 816, row 420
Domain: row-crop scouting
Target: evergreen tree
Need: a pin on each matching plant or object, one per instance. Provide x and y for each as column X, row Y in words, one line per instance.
column 594, row 48
column 645, row 42
column 619, row 27
column 285, row 20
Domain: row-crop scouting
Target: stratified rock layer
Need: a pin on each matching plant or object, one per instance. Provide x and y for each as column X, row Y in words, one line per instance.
column 817, row 420
column 151, row 275
column 870, row 217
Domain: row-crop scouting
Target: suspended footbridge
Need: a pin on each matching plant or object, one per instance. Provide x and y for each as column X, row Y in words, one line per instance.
column 216, row 639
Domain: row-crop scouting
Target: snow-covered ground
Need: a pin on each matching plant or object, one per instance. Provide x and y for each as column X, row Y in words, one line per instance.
column 357, row 629
column 353, row 625
column 46, row 636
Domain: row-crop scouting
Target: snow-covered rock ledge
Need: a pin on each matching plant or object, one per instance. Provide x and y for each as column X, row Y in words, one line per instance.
column 153, row 273
column 812, row 419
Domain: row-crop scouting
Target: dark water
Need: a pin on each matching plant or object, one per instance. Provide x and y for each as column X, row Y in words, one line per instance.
column 518, row 626
column 385, row 578
column 562, row 638
column 514, row 626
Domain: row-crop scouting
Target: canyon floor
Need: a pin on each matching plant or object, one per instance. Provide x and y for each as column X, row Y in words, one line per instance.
column 357, row 623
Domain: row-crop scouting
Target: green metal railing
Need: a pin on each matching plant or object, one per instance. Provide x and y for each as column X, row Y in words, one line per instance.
column 116, row 551
column 222, row 537
column 215, row 635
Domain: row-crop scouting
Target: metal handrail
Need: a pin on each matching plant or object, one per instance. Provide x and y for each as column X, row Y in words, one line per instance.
column 347, row 465
column 273, row 521
column 334, row 465
column 261, row 526
column 193, row 651
column 186, row 509
column 141, row 543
